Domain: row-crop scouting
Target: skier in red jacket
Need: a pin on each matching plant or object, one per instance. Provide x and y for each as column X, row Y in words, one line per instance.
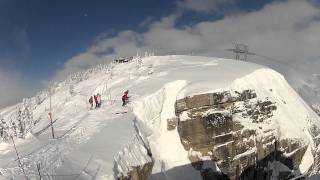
column 96, row 100
column 125, row 98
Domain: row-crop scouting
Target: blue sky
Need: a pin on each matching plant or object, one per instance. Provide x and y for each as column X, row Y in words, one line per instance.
column 40, row 38
column 37, row 36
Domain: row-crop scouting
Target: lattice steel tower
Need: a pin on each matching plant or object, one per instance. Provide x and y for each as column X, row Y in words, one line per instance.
column 241, row 51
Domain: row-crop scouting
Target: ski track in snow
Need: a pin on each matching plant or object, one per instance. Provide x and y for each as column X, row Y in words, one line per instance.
column 65, row 140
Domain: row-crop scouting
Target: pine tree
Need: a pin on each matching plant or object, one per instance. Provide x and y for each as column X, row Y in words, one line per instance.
column 2, row 128
column 24, row 118
column 20, row 123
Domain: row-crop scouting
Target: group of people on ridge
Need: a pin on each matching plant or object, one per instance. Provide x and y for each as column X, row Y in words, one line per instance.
column 97, row 99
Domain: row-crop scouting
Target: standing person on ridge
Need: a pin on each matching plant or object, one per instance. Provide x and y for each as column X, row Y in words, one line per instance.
column 125, row 98
column 99, row 100
column 96, row 100
column 91, row 102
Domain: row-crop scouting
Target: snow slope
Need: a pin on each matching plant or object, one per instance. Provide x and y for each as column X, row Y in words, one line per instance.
column 89, row 141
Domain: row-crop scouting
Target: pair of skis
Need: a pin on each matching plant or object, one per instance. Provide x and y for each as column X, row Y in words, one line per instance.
column 126, row 107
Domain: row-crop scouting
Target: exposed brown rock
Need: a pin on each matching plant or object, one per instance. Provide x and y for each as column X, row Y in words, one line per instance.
column 138, row 172
column 212, row 129
column 172, row 124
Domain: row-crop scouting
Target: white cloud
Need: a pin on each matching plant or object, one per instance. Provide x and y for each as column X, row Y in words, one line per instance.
column 285, row 30
column 146, row 22
column 103, row 50
column 12, row 89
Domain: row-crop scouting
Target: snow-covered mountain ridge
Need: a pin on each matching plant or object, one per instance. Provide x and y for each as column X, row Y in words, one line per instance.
column 98, row 143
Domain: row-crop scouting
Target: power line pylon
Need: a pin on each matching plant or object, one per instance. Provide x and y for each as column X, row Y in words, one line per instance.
column 241, row 51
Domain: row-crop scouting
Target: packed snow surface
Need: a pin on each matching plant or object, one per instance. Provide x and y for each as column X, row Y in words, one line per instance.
column 88, row 142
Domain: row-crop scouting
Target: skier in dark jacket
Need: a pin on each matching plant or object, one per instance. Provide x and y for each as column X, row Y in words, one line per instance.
column 125, row 98
column 99, row 100
column 91, row 102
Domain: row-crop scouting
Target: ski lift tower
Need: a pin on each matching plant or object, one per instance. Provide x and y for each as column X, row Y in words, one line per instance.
column 241, row 51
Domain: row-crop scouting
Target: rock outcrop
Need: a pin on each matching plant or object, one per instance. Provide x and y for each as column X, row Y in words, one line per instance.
column 134, row 162
column 141, row 172
column 232, row 131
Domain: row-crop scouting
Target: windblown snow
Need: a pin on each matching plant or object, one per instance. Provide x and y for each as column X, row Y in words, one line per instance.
column 89, row 144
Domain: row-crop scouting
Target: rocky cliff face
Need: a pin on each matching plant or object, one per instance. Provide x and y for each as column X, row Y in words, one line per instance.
column 233, row 132
column 140, row 172
column 134, row 162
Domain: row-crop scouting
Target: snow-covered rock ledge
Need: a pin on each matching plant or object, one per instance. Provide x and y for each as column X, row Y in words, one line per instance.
column 134, row 162
column 256, row 121
column 211, row 125
column 199, row 117
column 266, row 127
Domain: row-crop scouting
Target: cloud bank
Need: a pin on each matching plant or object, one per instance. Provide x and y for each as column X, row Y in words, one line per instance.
column 12, row 88
column 287, row 31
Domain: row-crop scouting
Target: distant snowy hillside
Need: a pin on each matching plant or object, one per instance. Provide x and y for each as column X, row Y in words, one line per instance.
column 308, row 86
column 310, row 92
column 113, row 141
